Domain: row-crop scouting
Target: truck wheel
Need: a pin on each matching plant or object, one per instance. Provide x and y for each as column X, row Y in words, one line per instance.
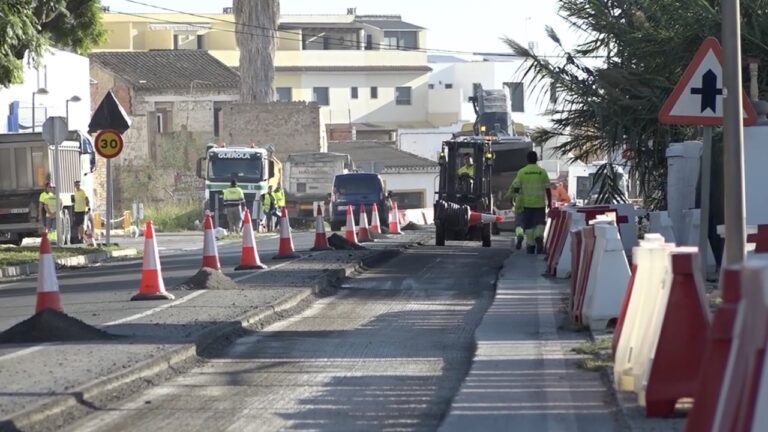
column 486, row 235
column 439, row 235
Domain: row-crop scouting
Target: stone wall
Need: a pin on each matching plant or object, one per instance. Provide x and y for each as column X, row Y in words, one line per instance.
column 291, row 127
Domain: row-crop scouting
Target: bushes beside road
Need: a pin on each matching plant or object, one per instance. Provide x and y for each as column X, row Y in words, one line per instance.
column 171, row 217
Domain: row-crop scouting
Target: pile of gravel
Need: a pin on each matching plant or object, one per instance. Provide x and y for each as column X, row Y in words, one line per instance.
column 208, row 279
column 340, row 243
column 411, row 226
column 50, row 325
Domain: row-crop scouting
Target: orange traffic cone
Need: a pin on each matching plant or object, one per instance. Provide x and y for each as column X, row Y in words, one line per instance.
column 210, row 251
column 375, row 224
column 349, row 230
column 321, row 241
column 394, row 220
column 249, row 259
column 152, row 286
column 48, row 296
column 478, row 218
column 363, row 235
column 286, row 241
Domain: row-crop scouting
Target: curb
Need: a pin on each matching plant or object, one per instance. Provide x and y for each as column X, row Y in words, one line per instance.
column 73, row 261
column 55, row 413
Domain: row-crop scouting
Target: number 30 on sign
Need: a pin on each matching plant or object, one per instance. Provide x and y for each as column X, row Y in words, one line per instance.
column 109, row 143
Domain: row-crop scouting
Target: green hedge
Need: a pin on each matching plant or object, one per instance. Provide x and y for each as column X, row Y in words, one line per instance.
column 174, row 216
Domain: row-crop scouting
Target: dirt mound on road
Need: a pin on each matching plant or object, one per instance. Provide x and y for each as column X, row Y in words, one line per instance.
column 207, row 279
column 411, row 226
column 52, row 326
column 340, row 243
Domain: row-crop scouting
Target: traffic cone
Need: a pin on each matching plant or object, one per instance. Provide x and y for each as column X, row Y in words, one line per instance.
column 394, row 220
column 210, row 251
column 152, row 286
column 349, row 230
column 363, row 234
column 478, row 218
column 48, row 296
column 375, row 224
column 321, row 241
column 285, row 250
column 249, row 259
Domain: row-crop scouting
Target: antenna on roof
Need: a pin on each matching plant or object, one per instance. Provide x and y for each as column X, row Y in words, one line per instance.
column 352, row 11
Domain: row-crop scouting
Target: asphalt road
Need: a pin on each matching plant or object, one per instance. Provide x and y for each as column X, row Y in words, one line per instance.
column 388, row 352
column 97, row 294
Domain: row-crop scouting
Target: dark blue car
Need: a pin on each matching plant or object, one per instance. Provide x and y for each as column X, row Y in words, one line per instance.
column 355, row 189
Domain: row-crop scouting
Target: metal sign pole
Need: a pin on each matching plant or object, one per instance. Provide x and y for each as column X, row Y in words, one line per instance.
column 109, row 200
column 706, row 173
column 733, row 136
column 57, row 181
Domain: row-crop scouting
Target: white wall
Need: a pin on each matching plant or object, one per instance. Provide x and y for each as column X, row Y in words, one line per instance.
column 425, row 142
column 412, row 182
column 364, row 109
column 64, row 75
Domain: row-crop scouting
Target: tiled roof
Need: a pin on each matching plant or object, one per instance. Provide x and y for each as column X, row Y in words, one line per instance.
column 387, row 22
column 368, row 155
column 371, row 68
column 168, row 69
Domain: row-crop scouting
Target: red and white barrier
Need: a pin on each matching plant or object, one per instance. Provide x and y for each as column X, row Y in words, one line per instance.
column 632, row 351
column 564, row 263
column 608, row 277
column 677, row 352
column 576, row 245
column 585, row 262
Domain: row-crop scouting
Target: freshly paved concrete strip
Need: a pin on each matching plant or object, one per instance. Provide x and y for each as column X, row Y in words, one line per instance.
column 524, row 376
column 80, row 260
column 387, row 352
column 36, row 374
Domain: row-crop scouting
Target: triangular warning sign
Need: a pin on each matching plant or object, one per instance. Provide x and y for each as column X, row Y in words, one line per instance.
column 698, row 97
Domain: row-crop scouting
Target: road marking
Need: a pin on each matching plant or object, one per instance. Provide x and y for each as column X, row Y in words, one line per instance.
column 24, row 352
column 157, row 309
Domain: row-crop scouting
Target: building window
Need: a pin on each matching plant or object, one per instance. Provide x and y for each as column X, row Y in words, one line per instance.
column 402, row 95
column 320, row 95
column 400, row 40
column 431, row 86
column 374, row 92
column 353, row 92
column 283, row 94
column 449, row 86
column 516, row 96
column 200, row 41
column 369, row 42
column 216, row 120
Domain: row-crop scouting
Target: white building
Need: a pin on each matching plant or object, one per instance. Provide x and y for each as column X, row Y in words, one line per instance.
column 61, row 77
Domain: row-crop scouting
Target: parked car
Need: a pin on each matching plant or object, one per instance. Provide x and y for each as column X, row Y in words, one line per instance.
column 355, row 189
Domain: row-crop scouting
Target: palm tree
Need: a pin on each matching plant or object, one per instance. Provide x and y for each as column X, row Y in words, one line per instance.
column 256, row 27
column 612, row 109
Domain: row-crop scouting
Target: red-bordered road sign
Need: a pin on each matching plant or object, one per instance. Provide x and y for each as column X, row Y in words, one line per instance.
column 698, row 97
column 109, row 143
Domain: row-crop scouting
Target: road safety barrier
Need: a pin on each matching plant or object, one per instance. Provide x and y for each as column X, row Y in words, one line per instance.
column 349, row 229
column 285, row 247
column 394, row 220
column 321, row 240
column 363, row 235
column 375, row 223
column 660, row 223
column 210, row 250
column 249, row 257
column 692, row 220
column 564, row 267
column 152, row 286
column 585, row 262
column 48, row 295
column 608, row 277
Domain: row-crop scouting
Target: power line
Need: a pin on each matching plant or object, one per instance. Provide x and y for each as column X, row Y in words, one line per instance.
column 330, row 43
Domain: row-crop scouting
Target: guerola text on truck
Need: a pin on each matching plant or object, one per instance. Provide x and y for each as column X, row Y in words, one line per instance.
column 26, row 164
column 253, row 168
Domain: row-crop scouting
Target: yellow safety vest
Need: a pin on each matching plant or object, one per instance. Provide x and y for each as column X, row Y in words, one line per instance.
column 279, row 198
column 233, row 195
column 81, row 201
column 49, row 200
column 468, row 170
column 533, row 181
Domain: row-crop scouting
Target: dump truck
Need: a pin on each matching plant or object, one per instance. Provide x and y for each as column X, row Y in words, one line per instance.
column 26, row 164
column 308, row 178
column 254, row 169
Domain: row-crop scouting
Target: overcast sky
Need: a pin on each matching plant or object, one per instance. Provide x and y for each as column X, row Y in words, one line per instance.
column 456, row 25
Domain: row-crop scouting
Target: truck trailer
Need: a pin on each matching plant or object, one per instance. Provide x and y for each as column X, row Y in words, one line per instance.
column 309, row 179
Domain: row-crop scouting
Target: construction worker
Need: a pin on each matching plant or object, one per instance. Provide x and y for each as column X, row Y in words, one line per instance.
column 269, row 207
column 80, row 198
column 560, row 194
column 466, row 173
column 532, row 183
column 279, row 203
column 47, row 210
column 234, row 200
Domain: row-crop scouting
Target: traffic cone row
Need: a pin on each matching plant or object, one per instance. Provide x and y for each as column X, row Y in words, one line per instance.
column 285, row 250
column 394, row 220
column 210, row 251
column 349, row 229
column 363, row 236
column 375, row 224
column 321, row 241
column 48, row 296
column 151, row 286
column 476, row 218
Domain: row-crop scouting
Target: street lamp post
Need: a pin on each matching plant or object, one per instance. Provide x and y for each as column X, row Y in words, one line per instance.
column 42, row 92
column 73, row 99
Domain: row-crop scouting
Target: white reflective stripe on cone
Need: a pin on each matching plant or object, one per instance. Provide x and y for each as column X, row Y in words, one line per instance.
column 150, row 254
column 46, row 279
column 319, row 225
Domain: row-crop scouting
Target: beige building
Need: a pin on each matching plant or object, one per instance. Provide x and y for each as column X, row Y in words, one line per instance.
column 361, row 69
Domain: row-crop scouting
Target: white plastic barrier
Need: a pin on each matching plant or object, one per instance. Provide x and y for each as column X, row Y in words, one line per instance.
column 652, row 261
column 608, row 277
column 628, row 229
column 683, row 161
column 564, row 262
column 692, row 226
column 660, row 223
column 760, row 422
column 750, row 247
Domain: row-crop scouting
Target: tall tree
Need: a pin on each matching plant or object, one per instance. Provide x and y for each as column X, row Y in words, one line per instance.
column 29, row 26
column 610, row 107
column 256, row 27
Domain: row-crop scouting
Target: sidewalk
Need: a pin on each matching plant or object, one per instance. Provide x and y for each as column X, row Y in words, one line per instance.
column 74, row 261
column 525, row 376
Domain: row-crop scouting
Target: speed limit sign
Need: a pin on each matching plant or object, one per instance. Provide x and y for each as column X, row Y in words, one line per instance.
column 109, row 143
